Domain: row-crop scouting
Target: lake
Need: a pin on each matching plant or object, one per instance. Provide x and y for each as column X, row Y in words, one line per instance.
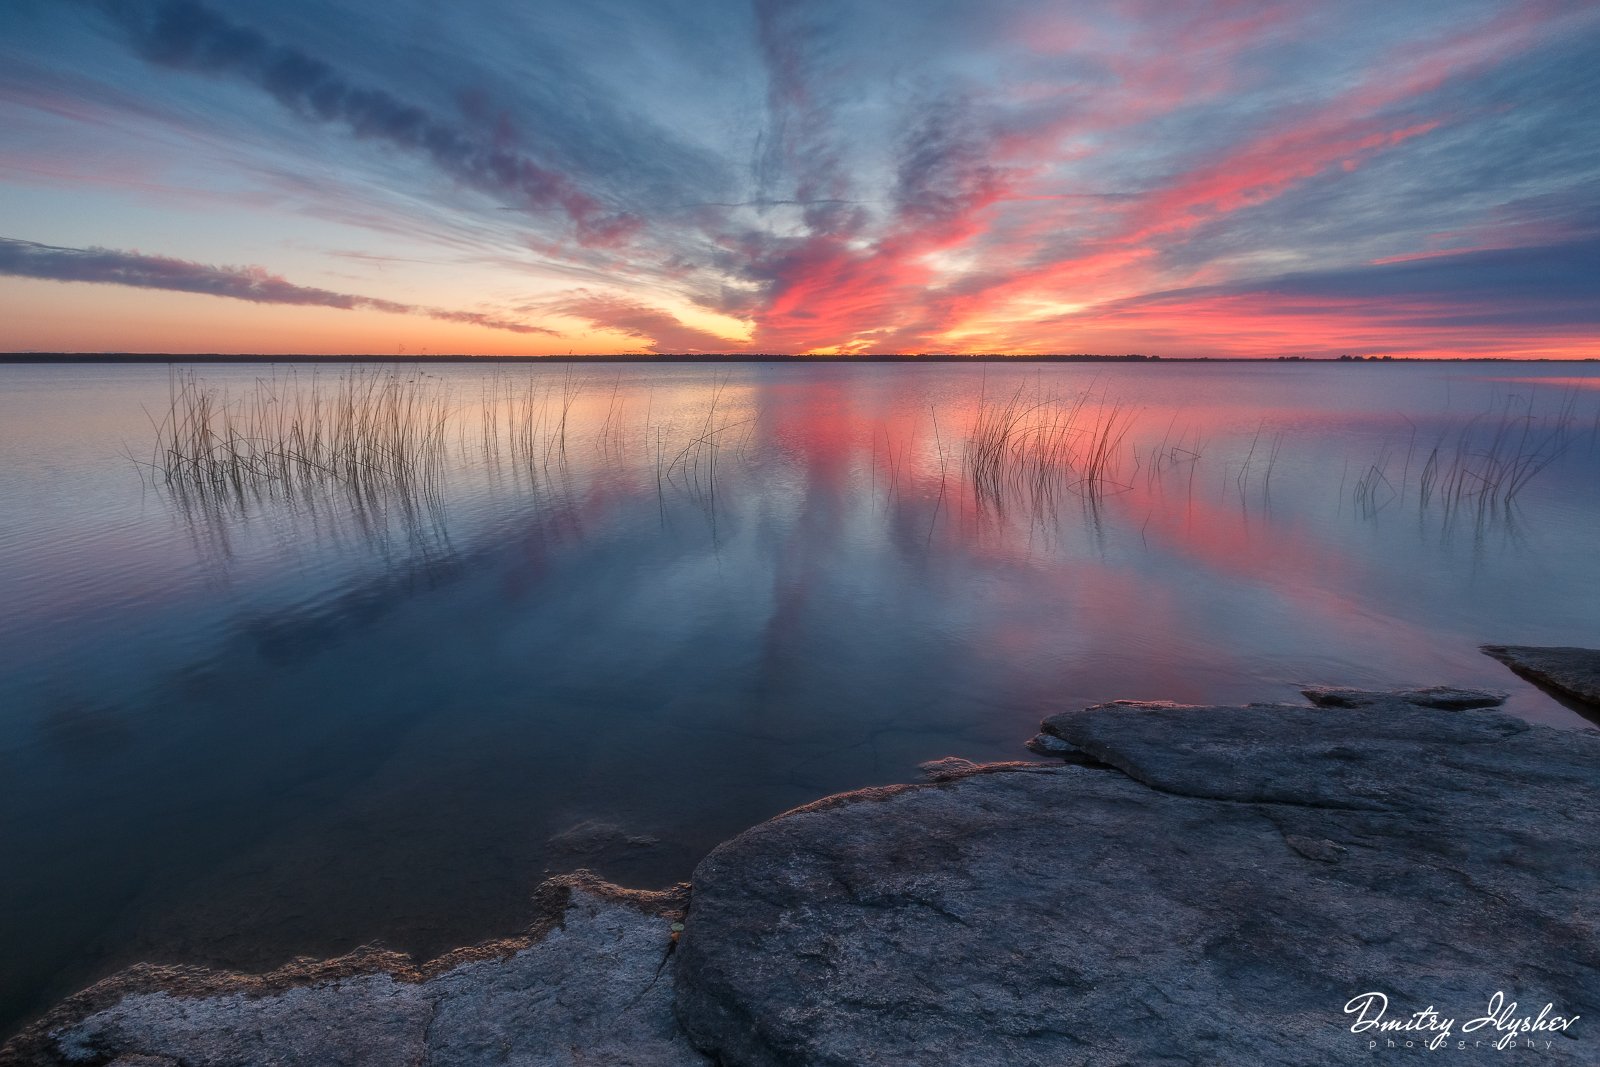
column 297, row 658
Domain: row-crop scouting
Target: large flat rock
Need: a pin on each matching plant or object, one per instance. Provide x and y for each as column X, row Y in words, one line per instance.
column 1218, row 896
column 1573, row 672
column 590, row 985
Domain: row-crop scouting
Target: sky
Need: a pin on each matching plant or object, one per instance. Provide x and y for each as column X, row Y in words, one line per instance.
column 1252, row 178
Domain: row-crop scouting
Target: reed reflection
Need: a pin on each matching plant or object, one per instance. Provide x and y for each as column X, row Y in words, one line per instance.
column 365, row 454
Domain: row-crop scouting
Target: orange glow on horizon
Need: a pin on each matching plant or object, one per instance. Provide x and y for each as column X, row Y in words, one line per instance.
column 47, row 317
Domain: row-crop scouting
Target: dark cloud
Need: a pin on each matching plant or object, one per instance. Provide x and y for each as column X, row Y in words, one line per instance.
column 1559, row 273
column 945, row 166
column 29, row 260
column 1558, row 284
column 478, row 318
column 186, row 35
column 26, row 259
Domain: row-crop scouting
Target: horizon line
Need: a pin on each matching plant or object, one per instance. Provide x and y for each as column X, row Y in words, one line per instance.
column 739, row 357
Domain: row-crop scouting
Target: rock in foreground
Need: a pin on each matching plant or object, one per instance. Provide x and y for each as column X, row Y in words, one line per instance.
column 1183, row 885
column 588, row 985
column 1218, row 898
column 1573, row 672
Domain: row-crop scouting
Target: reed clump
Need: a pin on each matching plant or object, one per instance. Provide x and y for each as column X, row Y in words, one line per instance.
column 1477, row 467
column 381, row 440
column 370, row 431
column 1041, row 446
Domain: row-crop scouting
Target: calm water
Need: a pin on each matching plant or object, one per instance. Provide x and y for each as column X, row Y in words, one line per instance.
column 245, row 721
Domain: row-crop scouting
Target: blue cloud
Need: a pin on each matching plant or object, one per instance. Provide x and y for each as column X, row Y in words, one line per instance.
column 1553, row 284
column 27, row 259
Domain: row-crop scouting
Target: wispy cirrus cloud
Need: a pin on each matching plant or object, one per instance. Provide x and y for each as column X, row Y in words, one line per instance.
column 188, row 35
column 27, row 259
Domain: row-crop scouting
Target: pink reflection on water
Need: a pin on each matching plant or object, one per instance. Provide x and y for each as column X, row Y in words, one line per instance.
column 1559, row 383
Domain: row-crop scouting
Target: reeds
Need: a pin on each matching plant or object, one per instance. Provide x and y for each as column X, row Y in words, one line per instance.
column 370, row 432
column 364, row 453
column 377, row 443
column 524, row 423
column 1478, row 467
column 694, row 466
column 1046, row 445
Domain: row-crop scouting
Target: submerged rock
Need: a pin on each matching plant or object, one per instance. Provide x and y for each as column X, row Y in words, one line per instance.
column 1222, row 899
column 1446, row 697
column 1573, row 672
column 590, row 836
column 590, row 984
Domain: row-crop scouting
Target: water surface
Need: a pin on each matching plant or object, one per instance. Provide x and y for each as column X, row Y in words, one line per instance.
column 613, row 616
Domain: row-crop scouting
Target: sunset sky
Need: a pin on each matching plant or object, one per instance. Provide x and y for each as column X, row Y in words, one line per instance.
column 1234, row 178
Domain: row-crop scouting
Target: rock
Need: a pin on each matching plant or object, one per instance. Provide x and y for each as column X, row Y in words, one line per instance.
column 596, row 835
column 1277, row 753
column 591, row 984
column 946, row 769
column 1220, row 897
column 1445, row 697
column 1573, row 672
column 949, row 768
column 1049, row 745
column 1046, row 745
